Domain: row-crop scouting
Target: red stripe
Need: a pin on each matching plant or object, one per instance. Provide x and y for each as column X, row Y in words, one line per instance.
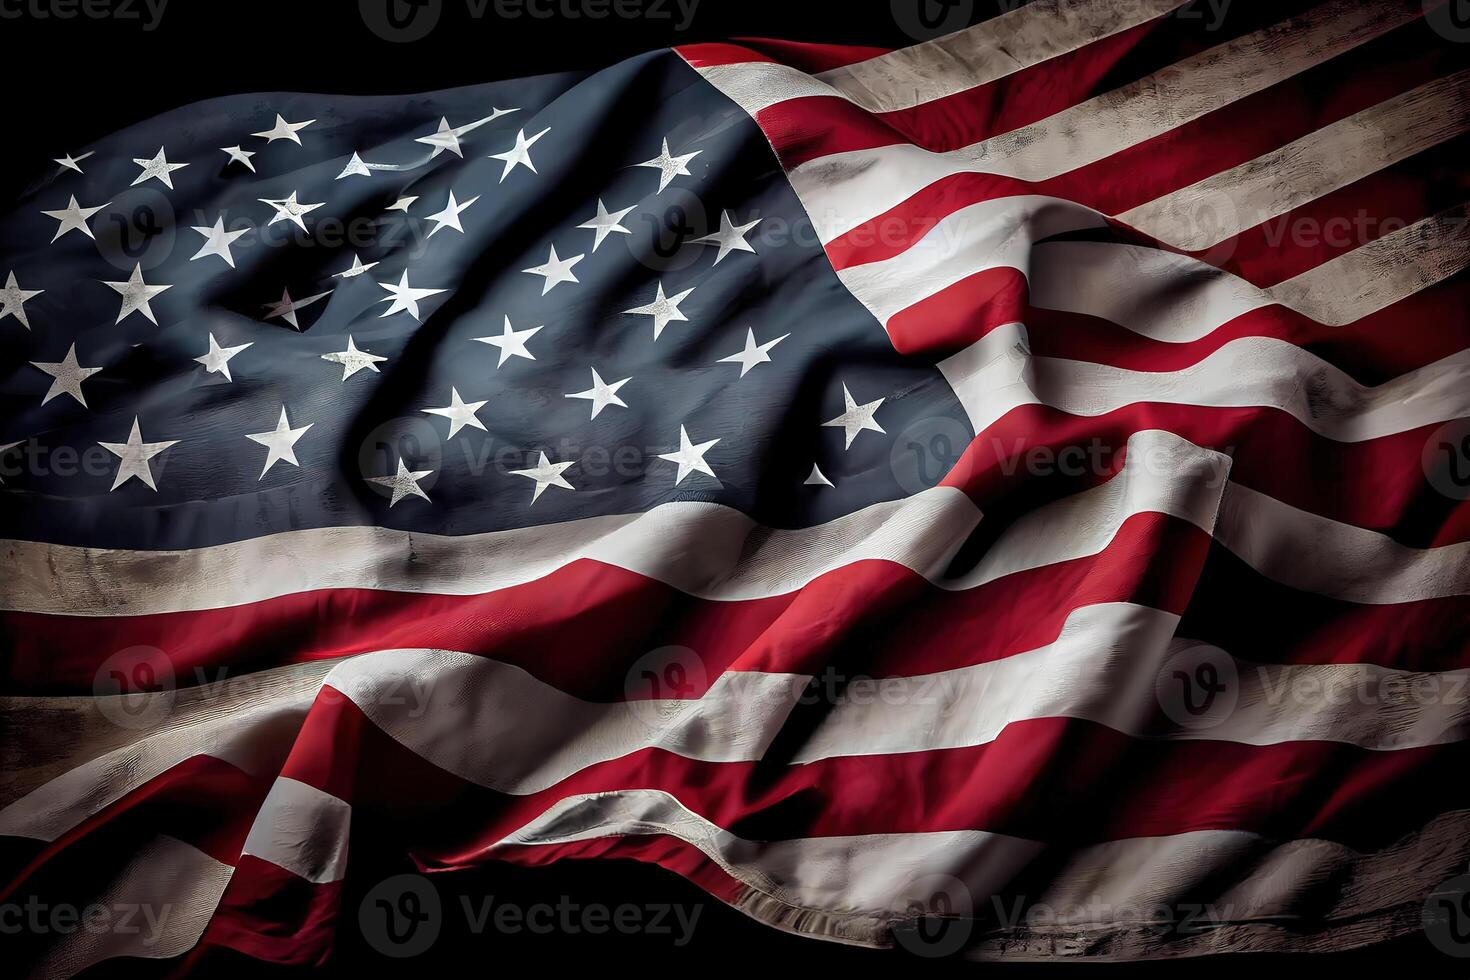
column 810, row 58
column 613, row 617
column 1234, row 134
column 1061, row 781
column 1378, row 484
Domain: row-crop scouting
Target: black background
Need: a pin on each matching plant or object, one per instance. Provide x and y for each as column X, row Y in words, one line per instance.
column 66, row 82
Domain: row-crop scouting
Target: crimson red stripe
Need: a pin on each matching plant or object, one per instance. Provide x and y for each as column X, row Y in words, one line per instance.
column 1352, row 216
column 1234, row 134
column 618, row 616
column 1378, row 484
column 1420, row 329
column 203, row 801
column 1057, row 780
column 816, row 126
column 1286, row 625
column 803, row 56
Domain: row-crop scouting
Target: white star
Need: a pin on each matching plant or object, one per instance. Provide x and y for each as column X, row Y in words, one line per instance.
column 354, row 360
column 447, row 136
column 405, row 297
column 355, row 168
column 402, row 204
column 856, row 418
column 158, row 168
column 663, row 309
column 283, row 130
column 602, row 394
column 286, row 308
column 238, row 155
column 449, row 217
column 136, row 295
column 754, row 353
column 690, row 457
column 519, row 154
column 546, row 474
column 555, row 270
column 74, row 218
column 217, row 359
column 356, row 269
column 73, row 163
column 403, row 483
column 459, row 413
column 280, row 443
column 133, row 457
column 289, row 209
column 217, row 241
column 68, row 376
column 512, row 342
column 730, row 237
column 817, row 478
column 13, row 298
column 669, row 166
column 605, row 222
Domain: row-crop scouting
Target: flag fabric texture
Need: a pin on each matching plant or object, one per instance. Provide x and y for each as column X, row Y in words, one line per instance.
column 1003, row 496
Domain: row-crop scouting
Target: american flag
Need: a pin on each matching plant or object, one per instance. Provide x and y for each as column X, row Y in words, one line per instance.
column 1003, row 496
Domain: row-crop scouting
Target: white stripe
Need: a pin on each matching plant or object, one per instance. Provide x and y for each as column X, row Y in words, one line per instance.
column 302, row 829
column 1162, row 474
column 1000, row 233
column 978, row 55
column 703, row 549
column 859, row 874
column 844, row 190
column 1249, row 893
column 998, row 374
column 856, row 889
column 1018, row 39
column 1158, row 294
column 1384, row 271
column 1225, row 204
column 159, row 906
column 1315, row 554
column 249, row 722
column 495, row 725
column 717, row 552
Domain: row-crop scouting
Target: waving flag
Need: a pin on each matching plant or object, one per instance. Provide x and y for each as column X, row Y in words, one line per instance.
column 1004, row 496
